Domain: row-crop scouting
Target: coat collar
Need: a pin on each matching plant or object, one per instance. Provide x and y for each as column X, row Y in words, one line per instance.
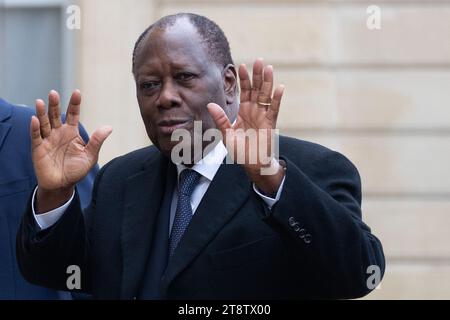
column 143, row 195
column 5, row 114
column 5, row 110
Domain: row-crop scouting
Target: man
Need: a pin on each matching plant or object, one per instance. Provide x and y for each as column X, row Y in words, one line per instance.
column 212, row 230
column 17, row 180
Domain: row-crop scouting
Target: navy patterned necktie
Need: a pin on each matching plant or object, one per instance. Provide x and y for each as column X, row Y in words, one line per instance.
column 188, row 180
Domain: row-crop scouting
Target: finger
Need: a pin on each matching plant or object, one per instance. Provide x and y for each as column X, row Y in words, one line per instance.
column 73, row 111
column 265, row 94
column 96, row 141
column 257, row 78
column 220, row 118
column 43, row 119
column 35, row 133
column 54, row 112
column 272, row 112
column 246, row 84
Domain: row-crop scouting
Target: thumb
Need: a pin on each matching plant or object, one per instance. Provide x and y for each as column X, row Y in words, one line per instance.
column 219, row 116
column 96, row 140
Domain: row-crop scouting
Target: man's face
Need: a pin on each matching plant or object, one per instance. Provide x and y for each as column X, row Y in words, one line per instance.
column 175, row 80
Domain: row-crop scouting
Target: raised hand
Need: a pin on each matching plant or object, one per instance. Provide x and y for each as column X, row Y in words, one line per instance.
column 258, row 110
column 60, row 157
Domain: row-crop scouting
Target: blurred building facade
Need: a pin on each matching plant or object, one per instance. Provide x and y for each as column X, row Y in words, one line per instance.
column 381, row 97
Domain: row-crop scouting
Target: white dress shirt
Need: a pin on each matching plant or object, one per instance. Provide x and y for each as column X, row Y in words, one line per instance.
column 207, row 168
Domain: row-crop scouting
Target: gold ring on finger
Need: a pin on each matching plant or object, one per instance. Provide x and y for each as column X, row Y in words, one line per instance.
column 264, row 104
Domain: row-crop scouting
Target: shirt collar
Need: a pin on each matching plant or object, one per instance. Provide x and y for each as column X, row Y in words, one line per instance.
column 210, row 164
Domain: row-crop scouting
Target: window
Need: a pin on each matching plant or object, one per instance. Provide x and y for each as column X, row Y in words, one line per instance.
column 36, row 50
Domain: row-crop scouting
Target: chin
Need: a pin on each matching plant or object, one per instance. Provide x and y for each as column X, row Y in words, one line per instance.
column 165, row 146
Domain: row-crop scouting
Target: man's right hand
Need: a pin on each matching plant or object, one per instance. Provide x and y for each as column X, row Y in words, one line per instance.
column 60, row 157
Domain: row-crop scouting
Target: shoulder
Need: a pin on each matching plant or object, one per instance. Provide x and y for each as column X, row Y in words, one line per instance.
column 131, row 162
column 14, row 125
column 293, row 145
column 313, row 155
column 19, row 114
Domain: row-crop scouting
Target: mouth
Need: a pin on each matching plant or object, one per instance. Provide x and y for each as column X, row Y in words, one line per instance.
column 169, row 126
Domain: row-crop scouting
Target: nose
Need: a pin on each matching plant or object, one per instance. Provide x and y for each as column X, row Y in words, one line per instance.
column 169, row 96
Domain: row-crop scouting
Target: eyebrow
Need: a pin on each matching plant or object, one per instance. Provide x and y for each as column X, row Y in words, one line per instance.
column 186, row 65
column 175, row 66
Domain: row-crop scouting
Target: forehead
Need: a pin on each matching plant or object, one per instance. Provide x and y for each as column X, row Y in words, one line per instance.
column 177, row 44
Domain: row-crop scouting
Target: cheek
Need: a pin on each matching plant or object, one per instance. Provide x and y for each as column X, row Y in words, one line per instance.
column 200, row 112
column 213, row 94
column 145, row 107
column 146, row 115
column 207, row 93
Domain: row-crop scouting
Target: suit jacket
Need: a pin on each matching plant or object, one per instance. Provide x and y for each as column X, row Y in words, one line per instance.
column 17, row 180
column 311, row 244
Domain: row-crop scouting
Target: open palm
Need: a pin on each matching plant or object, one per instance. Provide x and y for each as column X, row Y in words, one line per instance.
column 60, row 156
column 258, row 110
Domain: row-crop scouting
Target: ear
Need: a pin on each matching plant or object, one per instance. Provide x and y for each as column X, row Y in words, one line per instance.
column 230, row 83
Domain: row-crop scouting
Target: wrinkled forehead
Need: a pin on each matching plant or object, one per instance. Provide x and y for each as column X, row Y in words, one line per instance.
column 179, row 42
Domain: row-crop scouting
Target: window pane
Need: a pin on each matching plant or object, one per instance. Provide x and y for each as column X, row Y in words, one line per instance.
column 30, row 53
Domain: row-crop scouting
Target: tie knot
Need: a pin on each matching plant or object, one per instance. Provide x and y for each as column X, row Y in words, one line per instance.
column 188, row 180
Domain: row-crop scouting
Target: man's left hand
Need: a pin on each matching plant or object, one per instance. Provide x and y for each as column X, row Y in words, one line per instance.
column 257, row 115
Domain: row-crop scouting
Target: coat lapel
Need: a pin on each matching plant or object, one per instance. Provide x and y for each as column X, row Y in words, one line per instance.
column 143, row 197
column 227, row 192
column 5, row 114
